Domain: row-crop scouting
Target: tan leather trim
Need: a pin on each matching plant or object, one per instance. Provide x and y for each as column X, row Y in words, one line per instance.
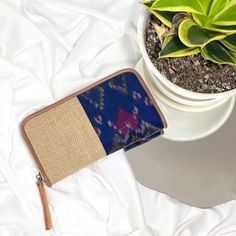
column 22, row 126
column 46, row 211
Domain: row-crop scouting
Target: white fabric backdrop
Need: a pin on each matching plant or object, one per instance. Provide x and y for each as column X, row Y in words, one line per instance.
column 48, row 49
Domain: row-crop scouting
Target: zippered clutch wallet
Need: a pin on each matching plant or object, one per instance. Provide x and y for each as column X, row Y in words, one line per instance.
column 114, row 113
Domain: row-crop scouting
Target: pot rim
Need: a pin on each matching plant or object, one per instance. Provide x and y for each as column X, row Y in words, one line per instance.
column 177, row 89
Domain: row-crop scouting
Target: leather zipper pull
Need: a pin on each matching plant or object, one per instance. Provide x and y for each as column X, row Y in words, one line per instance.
column 43, row 196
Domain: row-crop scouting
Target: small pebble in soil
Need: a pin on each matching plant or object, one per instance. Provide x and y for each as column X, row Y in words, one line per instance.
column 191, row 72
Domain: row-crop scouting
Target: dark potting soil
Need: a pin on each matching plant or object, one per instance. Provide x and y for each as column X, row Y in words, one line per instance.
column 191, row 72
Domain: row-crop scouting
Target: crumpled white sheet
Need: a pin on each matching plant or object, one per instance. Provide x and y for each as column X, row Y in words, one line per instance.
column 48, row 49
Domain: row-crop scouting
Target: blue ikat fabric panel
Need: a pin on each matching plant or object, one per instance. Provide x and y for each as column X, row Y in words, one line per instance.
column 121, row 112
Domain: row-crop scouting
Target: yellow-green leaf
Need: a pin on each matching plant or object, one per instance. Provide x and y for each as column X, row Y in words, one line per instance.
column 230, row 42
column 201, row 20
column 173, row 47
column 217, row 6
column 147, row 3
column 206, row 5
column 218, row 53
column 192, row 35
column 164, row 16
column 227, row 16
column 179, row 6
column 222, row 29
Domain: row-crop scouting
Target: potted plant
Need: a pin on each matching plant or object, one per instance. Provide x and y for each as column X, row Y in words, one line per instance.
column 190, row 47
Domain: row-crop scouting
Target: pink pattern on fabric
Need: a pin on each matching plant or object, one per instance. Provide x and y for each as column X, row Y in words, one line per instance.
column 148, row 102
column 125, row 121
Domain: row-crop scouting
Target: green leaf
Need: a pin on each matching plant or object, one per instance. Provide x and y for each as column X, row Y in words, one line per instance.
column 227, row 16
column 230, row 42
column 164, row 16
column 217, row 53
column 222, row 29
column 173, row 47
column 201, row 20
column 192, row 35
column 196, row 6
column 147, row 3
column 193, row 6
column 206, row 5
column 217, row 6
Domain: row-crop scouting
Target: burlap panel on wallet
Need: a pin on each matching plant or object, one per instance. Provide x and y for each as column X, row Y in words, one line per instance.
column 63, row 139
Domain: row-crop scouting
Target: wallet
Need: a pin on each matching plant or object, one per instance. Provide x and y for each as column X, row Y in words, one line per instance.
column 117, row 112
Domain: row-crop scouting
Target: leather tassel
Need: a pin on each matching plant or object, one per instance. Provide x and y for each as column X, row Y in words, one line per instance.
column 43, row 196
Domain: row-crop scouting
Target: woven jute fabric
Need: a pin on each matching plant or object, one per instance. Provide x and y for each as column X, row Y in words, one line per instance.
column 64, row 140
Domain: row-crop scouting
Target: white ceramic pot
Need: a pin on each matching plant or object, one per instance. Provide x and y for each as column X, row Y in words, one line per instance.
column 188, row 123
column 171, row 90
